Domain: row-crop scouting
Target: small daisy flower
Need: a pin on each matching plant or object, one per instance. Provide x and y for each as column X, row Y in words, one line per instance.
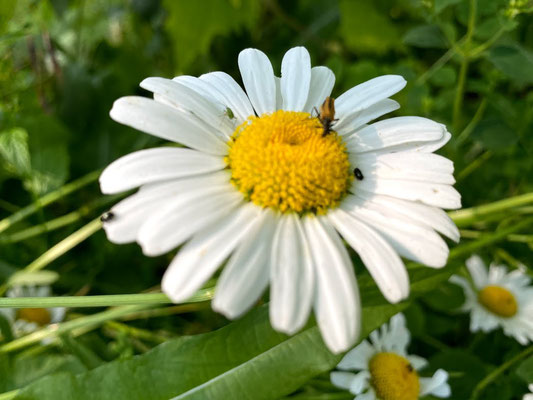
column 264, row 185
column 529, row 396
column 385, row 371
column 28, row 320
column 496, row 298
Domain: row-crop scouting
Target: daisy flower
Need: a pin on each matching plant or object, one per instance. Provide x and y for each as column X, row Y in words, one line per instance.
column 385, row 371
column 496, row 298
column 27, row 320
column 529, row 396
column 263, row 187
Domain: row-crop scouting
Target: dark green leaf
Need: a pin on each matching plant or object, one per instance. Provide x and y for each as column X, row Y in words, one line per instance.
column 525, row 370
column 514, row 61
column 427, row 36
column 14, row 152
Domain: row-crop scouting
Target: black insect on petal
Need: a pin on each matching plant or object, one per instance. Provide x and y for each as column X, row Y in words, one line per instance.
column 107, row 216
column 358, row 174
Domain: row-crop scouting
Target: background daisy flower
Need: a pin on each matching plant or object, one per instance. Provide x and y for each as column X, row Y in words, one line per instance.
column 27, row 320
column 529, row 396
column 262, row 185
column 384, row 370
column 496, row 298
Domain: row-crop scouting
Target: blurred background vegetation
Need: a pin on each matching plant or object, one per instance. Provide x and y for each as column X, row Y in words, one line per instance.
column 469, row 65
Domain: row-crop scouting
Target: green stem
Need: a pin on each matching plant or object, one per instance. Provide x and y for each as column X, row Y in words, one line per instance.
column 467, row 216
column 498, row 371
column 458, row 101
column 9, row 395
column 48, row 198
column 484, row 46
column 58, row 250
column 473, row 123
column 484, row 240
column 98, row 301
column 474, row 165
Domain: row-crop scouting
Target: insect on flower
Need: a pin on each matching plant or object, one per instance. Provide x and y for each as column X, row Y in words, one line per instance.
column 107, row 216
column 326, row 116
column 358, row 174
column 229, row 113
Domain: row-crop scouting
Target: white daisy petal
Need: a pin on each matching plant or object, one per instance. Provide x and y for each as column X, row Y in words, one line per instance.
column 185, row 98
column 153, row 165
column 358, row 357
column 342, row 380
column 436, row 385
column 132, row 212
column 408, row 132
column 258, row 78
column 370, row 395
column 230, row 93
column 337, row 307
column 478, row 271
column 380, row 259
column 166, row 122
column 292, row 285
column 432, row 217
column 203, row 88
column 430, row 147
column 201, row 256
column 368, row 93
column 410, row 240
column 322, row 81
column 357, row 120
column 246, row 275
column 417, row 362
column 177, row 221
column 432, row 194
column 295, row 78
column 424, row 167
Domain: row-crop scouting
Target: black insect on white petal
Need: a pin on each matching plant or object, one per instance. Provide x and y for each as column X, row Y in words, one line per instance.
column 107, row 216
column 358, row 174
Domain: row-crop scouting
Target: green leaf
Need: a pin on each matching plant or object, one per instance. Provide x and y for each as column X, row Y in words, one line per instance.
column 366, row 29
column 525, row 370
column 426, row 36
column 244, row 359
column 194, row 24
column 440, row 5
column 514, row 61
column 495, row 134
column 14, row 151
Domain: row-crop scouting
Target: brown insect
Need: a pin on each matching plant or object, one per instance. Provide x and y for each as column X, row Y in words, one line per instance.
column 326, row 115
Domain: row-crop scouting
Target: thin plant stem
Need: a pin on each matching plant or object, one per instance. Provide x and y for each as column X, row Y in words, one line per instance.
column 498, row 371
column 98, row 301
column 458, row 101
column 59, row 249
column 9, row 395
column 467, row 216
column 473, row 123
column 47, row 199
column 484, row 46
column 474, row 165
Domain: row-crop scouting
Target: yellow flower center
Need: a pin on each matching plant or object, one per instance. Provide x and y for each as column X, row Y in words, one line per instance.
column 393, row 377
column 41, row 316
column 498, row 300
column 283, row 161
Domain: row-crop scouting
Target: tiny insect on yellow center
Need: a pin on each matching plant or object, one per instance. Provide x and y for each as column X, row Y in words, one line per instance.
column 498, row 300
column 283, row 161
column 393, row 377
column 41, row 316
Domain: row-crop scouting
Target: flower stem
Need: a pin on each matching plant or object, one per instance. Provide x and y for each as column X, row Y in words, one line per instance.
column 9, row 395
column 467, row 216
column 498, row 371
column 48, row 198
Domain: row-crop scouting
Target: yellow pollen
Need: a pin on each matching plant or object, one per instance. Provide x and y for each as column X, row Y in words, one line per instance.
column 498, row 300
column 393, row 377
column 283, row 161
column 41, row 316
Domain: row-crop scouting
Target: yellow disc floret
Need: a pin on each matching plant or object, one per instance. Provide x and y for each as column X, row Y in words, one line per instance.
column 41, row 316
column 284, row 161
column 498, row 300
column 393, row 377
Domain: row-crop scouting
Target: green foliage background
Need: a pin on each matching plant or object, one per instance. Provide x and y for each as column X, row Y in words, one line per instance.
column 469, row 65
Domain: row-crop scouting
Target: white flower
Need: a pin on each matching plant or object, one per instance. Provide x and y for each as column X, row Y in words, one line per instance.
column 27, row 320
column 262, row 184
column 385, row 371
column 497, row 298
column 529, row 396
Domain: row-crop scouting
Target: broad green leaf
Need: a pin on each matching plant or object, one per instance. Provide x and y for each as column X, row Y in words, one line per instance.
column 525, row 370
column 14, row 152
column 194, row 24
column 241, row 360
column 440, row 5
column 426, row 36
column 514, row 61
column 367, row 29
column 495, row 134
